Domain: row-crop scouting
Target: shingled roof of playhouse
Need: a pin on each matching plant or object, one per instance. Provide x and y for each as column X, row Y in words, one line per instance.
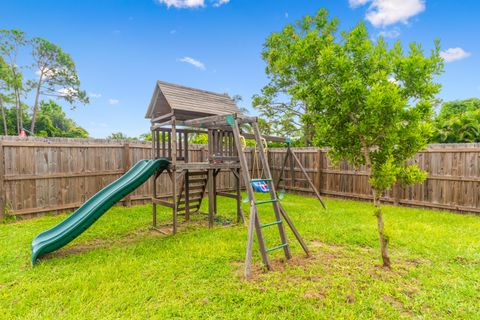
column 187, row 103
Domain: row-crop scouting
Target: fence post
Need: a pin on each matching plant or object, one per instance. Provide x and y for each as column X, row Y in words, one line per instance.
column 127, row 163
column 396, row 193
column 319, row 170
column 3, row 192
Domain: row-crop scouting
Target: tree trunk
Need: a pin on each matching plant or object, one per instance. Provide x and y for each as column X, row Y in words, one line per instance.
column 19, row 112
column 35, row 106
column 381, row 231
column 378, row 210
column 4, row 117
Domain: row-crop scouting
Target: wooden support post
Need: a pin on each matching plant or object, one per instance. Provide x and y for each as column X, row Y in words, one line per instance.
column 164, row 152
column 240, row 217
column 210, row 144
column 294, row 156
column 396, row 193
column 319, row 170
column 173, row 141
column 126, row 166
column 185, row 138
column 292, row 169
column 294, row 230
column 211, row 197
column 273, row 193
column 3, row 194
column 154, row 204
column 187, row 195
column 282, row 171
column 215, row 173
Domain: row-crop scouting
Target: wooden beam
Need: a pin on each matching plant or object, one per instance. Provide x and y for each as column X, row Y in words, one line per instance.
column 227, row 195
column 163, row 117
column 211, row 197
column 294, row 156
column 268, row 138
column 215, row 121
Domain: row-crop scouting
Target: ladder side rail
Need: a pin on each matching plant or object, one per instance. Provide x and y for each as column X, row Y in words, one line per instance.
column 254, row 222
column 273, row 193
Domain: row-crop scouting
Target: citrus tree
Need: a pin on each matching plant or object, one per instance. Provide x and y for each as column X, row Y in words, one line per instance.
column 372, row 105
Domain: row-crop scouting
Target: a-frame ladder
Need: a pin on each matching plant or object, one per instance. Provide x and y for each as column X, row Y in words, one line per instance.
column 255, row 224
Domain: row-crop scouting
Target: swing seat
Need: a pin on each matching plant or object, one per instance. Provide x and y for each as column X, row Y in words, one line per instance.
column 260, row 186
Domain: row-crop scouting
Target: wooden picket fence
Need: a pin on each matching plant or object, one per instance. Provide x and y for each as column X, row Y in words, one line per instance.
column 40, row 175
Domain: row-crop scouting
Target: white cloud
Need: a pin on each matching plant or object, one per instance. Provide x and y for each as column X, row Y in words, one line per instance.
column 113, row 101
column 193, row 62
column 357, row 3
column 94, row 95
column 219, row 3
column 47, row 72
column 382, row 13
column 182, row 3
column 67, row 92
column 393, row 33
column 453, row 54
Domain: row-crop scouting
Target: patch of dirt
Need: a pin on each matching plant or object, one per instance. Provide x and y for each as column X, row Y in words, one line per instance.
column 350, row 298
column 98, row 243
column 397, row 304
column 315, row 294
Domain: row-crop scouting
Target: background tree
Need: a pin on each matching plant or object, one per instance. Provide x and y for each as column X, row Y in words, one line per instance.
column 458, row 121
column 57, row 76
column 11, row 41
column 120, row 136
column 369, row 104
column 52, row 122
column 4, row 88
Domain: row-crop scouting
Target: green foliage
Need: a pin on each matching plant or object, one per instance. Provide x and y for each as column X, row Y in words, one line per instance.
column 370, row 104
column 198, row 138
column 145, row 137
column 458, row 121
column 120, row 268
column 52, row 122
column 55, row 76
column 120, row 136
column 458, row 107
column 11, row 77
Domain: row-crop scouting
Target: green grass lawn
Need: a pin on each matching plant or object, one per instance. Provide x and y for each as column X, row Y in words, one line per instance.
column 119, row 268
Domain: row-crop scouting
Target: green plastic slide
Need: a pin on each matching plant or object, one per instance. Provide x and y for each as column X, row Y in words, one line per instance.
column 80, row 220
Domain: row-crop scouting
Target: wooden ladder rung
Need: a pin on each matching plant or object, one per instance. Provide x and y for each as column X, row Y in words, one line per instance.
column 197, row 173
column 191, row 200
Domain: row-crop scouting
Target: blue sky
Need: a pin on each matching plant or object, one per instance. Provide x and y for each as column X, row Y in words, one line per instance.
column 122, row 46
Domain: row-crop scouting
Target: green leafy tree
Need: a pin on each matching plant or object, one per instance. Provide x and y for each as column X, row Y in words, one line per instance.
column 145, row 137
column 458, row 122
column 458, row 107
column 120, row 136
column 370, row 104
column 11, row 41
column 52, row 122
column 4, row 88
column 57, row 76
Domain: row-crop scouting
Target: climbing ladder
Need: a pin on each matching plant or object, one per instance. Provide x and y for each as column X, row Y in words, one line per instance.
column 192, row 191
column 281, row 216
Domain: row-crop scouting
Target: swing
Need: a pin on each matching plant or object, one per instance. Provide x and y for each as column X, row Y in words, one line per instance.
column 258, row 184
